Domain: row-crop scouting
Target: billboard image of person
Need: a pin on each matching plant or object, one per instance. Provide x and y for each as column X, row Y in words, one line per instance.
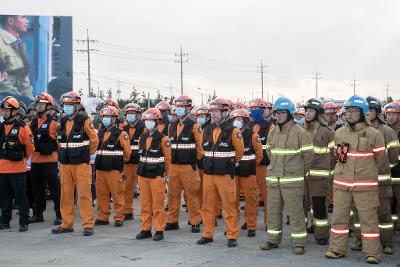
column 35, row 52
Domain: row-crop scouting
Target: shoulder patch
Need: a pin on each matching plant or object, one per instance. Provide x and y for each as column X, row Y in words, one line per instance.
column 91, row 125
column 168, row 143
column 258, row 140
column 239, row 135
column 126, row 137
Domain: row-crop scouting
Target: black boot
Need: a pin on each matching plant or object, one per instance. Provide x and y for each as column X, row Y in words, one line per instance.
column 143, row 235
column 60, row 230
column 251, row 233
column 100, row 222
column 36, row 218
column 196, row 228
column 158, row 236
column 129, row 217
column 23, row 227
column 204, row 240
column 171, row 226
column 118, row 223
column 244, row 226
column 232, row 243
column 88, row 231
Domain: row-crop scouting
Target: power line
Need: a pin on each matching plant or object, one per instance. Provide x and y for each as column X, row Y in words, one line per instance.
column 88, row 41
column 316, row 77
column 135, row 48
column 181, row 55
column 213, row 68
column 220, row 61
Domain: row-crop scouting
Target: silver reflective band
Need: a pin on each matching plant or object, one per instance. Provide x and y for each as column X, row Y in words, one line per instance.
column 321, row 223
column 183, row 146
column 395, row 180
column 394, row 143
column 386, row 226
column 152, row 160
column 274, row 232
column 320, row 173
column 134, row 147
column 219, row 154
column 110, row 153
column 299, row 235
column 321, row 150
column 284, row 179
column 73, row 145
column 357, row 225
column 383, row 177
column 393, row 165
column 249, row 157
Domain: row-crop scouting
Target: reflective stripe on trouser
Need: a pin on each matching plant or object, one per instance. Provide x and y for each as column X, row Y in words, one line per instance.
column 224, row 187
column 396, row 194
column 384, row 219
column 261, row 173
column 366, row 203
column 131, row 177
column 81, row 176
column 249, row 187
column 152, row 210
column 110, row 182
column 183, row 177
column 292, row 198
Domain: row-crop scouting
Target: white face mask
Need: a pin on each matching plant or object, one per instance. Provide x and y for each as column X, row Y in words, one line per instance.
column 150, row 125
column 238, row 124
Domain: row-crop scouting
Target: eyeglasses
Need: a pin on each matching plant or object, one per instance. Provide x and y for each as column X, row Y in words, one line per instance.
column 353, row 110
column 279, row 113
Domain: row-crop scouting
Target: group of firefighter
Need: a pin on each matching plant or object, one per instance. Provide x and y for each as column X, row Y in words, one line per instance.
column 215, row 155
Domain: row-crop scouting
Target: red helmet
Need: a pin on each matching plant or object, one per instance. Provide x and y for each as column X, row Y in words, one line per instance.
column 133, row 107
column 238, row 105
column 219, row 104
column 241, row 112
column 231, row 104
column 45, row 98
column 112, row 103
column 393, row 107
column 258, row 103
column 163, row 105
column 183, row 101
column 70, row 98
column 330, row 107
column 10, row 102
column 301, row 111
column 109, row 111
column 151, row 114
column 202, row 110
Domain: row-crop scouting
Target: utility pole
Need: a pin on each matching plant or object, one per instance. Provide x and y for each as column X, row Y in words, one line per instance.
column 316, row 77
column 181, row 61
column 148, row 99
column 387, row 85
column 170, row 92
column 202, row 102
column 88, row 41
column 354, row 81
column 262, row 71
column 118, row 90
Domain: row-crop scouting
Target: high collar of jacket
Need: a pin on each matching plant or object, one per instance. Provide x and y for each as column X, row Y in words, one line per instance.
column 376, row 123
column 358, row 127
column 396, row 126
column 286, row 126
column 312, row 125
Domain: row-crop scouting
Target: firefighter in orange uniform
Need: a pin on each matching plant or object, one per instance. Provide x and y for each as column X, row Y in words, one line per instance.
column 77, row 140
column 44, row 167
column 16, row 145
column 113, row 150
column 165, row 108
column 223, row 149
column 134, row 128
column 154, row 162
column 186, row 148
column 246, row 172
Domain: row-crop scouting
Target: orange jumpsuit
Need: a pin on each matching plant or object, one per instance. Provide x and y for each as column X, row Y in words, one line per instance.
column 183, row 177
column 152, row 192
column 224, row 187
column 249, row 186
column 79, row 176
column 111, row 182
column 261, row 173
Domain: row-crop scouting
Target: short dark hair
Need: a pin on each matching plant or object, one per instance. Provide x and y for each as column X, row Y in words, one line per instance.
column 4, row 18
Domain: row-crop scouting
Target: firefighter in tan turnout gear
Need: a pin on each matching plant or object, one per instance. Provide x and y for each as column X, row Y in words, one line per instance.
column 291, row 152
column 317, row 181
column 359, row 150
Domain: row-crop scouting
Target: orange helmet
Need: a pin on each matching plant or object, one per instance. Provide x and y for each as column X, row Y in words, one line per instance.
column 70, row 98
column 45, row 98
column 193, row 111
column 202, row 110
column 173, row 110
column 393, row 107
column 258, row 103
column 231, row 104
column 151, row 114
column 301, row 111
column 330, row 107
column 219, row 104
column 183, row 101
column 241, row 112
column 109, row 111
column 238, row 105
column 342, row 111
column 133, row 107
column 163, row 105
column 10, row 102
column 112, row 103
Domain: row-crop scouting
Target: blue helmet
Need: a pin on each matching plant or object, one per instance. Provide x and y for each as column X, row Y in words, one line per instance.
column 283, row 103
column 359, row 102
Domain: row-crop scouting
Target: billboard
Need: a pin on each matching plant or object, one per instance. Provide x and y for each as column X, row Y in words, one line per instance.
column 35, row 56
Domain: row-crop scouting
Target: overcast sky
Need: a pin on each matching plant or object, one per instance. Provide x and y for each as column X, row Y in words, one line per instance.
column 226, row 40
